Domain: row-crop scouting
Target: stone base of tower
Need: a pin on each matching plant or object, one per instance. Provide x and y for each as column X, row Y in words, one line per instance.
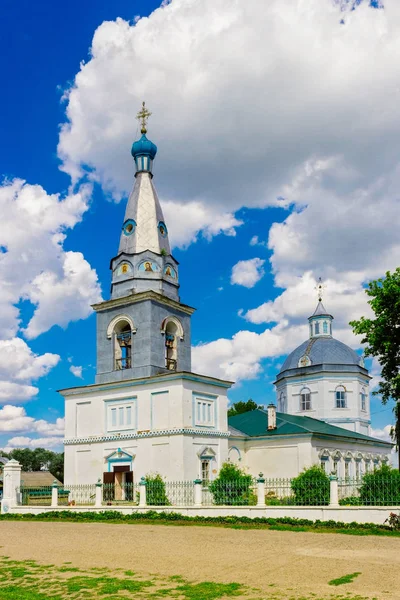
column 173, row 424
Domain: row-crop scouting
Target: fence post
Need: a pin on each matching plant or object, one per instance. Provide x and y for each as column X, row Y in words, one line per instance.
column 333, row 490
column 98, row 499
column 11, row 485
column 54, row 494
column 142, row 493
column 260, row 490
column 198, row 492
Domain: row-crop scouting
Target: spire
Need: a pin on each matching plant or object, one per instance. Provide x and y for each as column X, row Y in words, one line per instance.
column 144, row 260
column 320, row 321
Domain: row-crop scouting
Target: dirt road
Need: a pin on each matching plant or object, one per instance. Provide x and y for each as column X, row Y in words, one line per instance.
column 293, row 563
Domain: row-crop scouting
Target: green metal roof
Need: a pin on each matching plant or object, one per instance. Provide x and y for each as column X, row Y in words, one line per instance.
column 255, row 424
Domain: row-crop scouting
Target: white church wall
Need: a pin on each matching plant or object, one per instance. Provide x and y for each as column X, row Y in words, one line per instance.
column 99, row 419
column 322, row 388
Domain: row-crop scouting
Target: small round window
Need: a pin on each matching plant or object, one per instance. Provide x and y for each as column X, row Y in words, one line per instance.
column 129, row 227
column 162, row 228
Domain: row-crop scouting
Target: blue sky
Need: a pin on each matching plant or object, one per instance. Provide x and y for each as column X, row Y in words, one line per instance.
column 244, row 172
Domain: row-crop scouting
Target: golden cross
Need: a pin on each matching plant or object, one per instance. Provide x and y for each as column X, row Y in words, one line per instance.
column 320, row 289
column 142, row 116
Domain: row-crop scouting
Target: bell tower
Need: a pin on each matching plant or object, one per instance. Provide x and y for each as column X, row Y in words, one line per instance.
column 144, row 329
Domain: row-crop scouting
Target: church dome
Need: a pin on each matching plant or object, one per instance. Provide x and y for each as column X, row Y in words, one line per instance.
column 144, row 147
column 321, row 351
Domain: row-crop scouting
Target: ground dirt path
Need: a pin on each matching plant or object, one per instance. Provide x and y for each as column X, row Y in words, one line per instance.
column 298, row 564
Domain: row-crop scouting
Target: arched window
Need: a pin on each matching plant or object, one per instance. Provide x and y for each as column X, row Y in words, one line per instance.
column 363, row 399
column 325, row 327
column 122, row 345
column 305, row 399
column 282, row 403
column 172, row 329
column 340, row 396
column 317, row 328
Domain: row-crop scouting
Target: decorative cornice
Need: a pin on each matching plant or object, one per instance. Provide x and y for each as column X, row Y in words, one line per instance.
column 161, row 378
column 96, row 439
column 141, row 297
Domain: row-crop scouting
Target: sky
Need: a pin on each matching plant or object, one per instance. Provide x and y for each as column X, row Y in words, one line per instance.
column 278, row 129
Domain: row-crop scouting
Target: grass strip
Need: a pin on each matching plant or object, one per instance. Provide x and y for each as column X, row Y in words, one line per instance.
column 173, row 518
column 344, row 579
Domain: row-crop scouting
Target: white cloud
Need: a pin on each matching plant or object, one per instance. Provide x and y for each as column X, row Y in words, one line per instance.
column 382, row 433
column 255, row 241
column 26, row 442
column 77, row 371
column 240, row 357
column 15, row 419
column 248, row 272
column 19, row 366
column 317, row 87
column 35, row 266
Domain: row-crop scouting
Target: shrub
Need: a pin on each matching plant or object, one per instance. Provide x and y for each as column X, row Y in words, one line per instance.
column 232, row 487
column 381, row 487
column 155, row 490
column 311, row 487
column 350, row 501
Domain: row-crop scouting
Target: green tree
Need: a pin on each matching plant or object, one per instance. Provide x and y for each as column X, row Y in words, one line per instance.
column 40, row 459
column 56, row 465
column 156, row 494
column 382, row 338
column 232, row 487
column 238, row 408
column 311, row 487
column 381, row 487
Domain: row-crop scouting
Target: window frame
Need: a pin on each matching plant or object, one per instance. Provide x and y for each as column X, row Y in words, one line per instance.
column 204, row 411
column 363, row 400
column 305, row 391
column 340, row 402
column 123, row 413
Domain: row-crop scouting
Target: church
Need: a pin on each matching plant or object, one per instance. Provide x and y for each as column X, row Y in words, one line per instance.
column 148, row 412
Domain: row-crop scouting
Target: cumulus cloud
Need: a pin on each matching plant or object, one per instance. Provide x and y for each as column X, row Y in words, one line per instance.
column 248, row 272
column 240, row 357
column 27, row 442
column 15, row 419
column 19, row 366
column 77, row 371
column 319, row 138
column 35, row 266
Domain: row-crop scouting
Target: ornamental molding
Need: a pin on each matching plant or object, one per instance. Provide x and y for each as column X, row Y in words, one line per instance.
column 96, row 439
column 140, row 297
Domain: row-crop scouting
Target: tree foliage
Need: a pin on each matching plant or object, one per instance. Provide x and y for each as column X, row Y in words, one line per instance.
column 382, row 337
column 40, row 459
column 232, row 487
column 311, row 487
column 381, row 487
column 155, row 490
column 238, row 408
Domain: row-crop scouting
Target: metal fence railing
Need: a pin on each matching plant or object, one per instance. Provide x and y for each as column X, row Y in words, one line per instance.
column 124, row 493
column 297, row 492
column 243, row 491
column 77, row 495
column 35, row 495
column 239, row 492
column 369, row 491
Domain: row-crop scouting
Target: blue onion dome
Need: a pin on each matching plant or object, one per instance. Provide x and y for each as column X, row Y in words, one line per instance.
column 144, row 147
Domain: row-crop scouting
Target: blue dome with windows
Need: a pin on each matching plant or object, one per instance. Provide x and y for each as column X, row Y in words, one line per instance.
column 321, row 351
column 144, row 147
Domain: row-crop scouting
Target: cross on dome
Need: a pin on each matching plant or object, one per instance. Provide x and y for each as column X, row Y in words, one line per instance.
column 320, row 287
column 143, row 116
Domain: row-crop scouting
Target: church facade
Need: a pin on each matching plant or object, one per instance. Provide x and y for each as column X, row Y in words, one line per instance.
column 148, row 412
